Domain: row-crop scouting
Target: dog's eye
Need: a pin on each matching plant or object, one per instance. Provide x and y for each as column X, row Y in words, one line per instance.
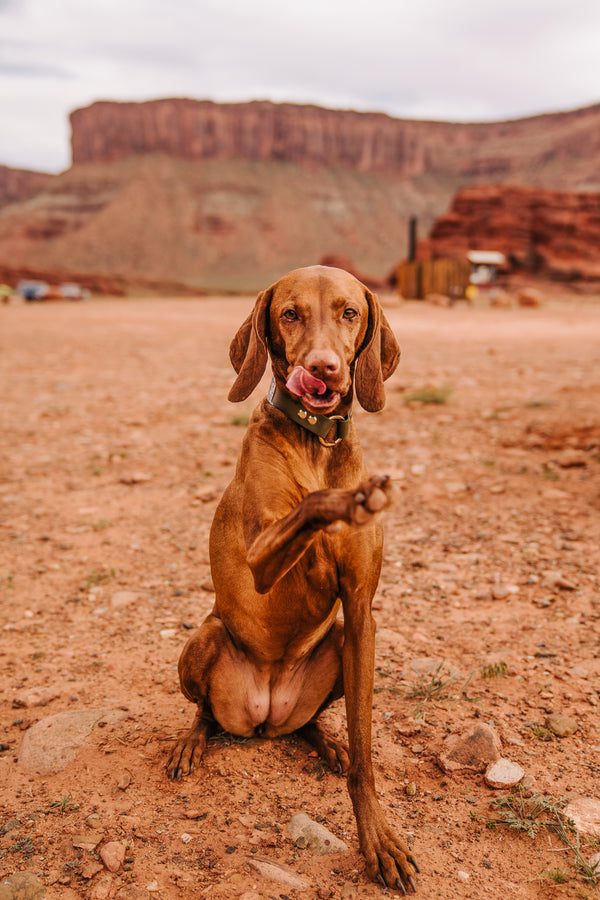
column 350, row 313
column 290, row 314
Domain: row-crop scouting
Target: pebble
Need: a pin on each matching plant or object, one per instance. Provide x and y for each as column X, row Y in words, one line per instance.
column 124, row 781
column 569, row 459
column 123, row 598
column 463, row 876
column 314, row 836
column 276, row 871
column 503, row 774
column 186, row 838
column 135, row 478
column 561, row 726
column 21, row 886
column 102, row 888
column 471, row 752
column 585, row 813
column 503, row 591
column 53, row 743
column 112, row 855
column 89, row 868
column 40, row 696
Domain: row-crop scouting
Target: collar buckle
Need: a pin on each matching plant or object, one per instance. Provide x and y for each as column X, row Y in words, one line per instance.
column 318, row 425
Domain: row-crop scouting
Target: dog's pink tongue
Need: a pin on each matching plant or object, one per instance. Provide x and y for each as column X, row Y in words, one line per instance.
column 302, row 382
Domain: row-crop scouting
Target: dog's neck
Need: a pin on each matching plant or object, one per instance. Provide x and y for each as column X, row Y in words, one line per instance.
column 329, row 429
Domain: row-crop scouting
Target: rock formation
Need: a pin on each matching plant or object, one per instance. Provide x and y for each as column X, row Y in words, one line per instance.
column 230, row 196
column 20, row 184
column 551, row 233
column 367, row 142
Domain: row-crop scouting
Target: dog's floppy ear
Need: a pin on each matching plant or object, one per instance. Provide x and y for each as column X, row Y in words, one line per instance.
column 248, row 350
column 377, row 359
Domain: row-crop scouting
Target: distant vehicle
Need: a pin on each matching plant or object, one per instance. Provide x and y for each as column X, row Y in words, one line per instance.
column 33, row 290
column 40, row 290
column 72, row 291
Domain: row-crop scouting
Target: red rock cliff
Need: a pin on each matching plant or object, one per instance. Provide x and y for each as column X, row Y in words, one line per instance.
column 260, row 130
column 20, row 184
column 553, row 233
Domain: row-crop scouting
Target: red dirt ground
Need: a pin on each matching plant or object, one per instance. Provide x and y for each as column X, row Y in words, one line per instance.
column 116, row 442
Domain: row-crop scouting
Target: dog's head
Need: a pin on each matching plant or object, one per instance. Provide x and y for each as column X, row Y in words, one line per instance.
column 324, row 332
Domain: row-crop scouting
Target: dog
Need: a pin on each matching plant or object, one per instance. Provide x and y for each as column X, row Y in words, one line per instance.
column 295, row 537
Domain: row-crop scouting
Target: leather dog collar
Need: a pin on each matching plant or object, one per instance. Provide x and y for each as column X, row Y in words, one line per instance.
column 321, row 426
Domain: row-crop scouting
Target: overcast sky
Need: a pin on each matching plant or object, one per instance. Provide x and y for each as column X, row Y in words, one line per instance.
column 469, row 60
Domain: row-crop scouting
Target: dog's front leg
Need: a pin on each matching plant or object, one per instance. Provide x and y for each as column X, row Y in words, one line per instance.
column 273, row 549
column 388, row 858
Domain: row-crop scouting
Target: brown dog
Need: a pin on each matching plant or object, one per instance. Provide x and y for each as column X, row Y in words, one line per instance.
column 295, row 535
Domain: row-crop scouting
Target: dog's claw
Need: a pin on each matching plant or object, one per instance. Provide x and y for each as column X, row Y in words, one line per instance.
column 413, row 863
column 380, row 879
column 401, row 887
column 411, row 881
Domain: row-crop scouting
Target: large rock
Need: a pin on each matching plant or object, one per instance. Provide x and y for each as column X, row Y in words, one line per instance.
column 22, row 886
column 470, row 752
column 52, row 744
column 547, row 232
column 306, row 833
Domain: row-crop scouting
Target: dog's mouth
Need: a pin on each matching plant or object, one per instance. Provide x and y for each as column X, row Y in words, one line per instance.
column 312, row 391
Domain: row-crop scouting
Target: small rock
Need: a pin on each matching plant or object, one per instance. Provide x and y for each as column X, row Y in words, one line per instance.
column 503, row 591
column 349, row 891
column 463, row 876
column 186, row 838
column 206, row 494
column 135, row 478
column 500, row 298
column 554, row 579
column 456, row 487
column 113, row 855
column 318, row 839
column 411, row 789
column 89, row 868
column 89, row 840
column 22, row 886
column 570, row 459
column 9, row 826
column 124, row 781
column 168, row 633
column 123, row 598
column 585, row 813
column 102, row 888
column 34, row 697
column 472, row 752
column 530, row 297
column 152, row 887
column 438, row 300
column 52, row 744
column 503, row 774
column 275, row 871
column 561, row 726
column 594, row 861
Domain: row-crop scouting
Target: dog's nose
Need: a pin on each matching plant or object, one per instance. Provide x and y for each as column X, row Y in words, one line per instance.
column 322, row 362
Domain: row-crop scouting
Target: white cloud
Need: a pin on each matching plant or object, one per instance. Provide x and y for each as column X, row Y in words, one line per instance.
column 454, row 59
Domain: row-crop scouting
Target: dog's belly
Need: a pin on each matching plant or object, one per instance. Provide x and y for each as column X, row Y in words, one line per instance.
column 272, row 700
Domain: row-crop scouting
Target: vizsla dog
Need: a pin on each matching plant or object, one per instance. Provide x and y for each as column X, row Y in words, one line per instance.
column 295, row 536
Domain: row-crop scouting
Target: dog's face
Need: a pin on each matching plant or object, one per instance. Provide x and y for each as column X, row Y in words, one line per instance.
column 326, row 325
column 318, row 320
